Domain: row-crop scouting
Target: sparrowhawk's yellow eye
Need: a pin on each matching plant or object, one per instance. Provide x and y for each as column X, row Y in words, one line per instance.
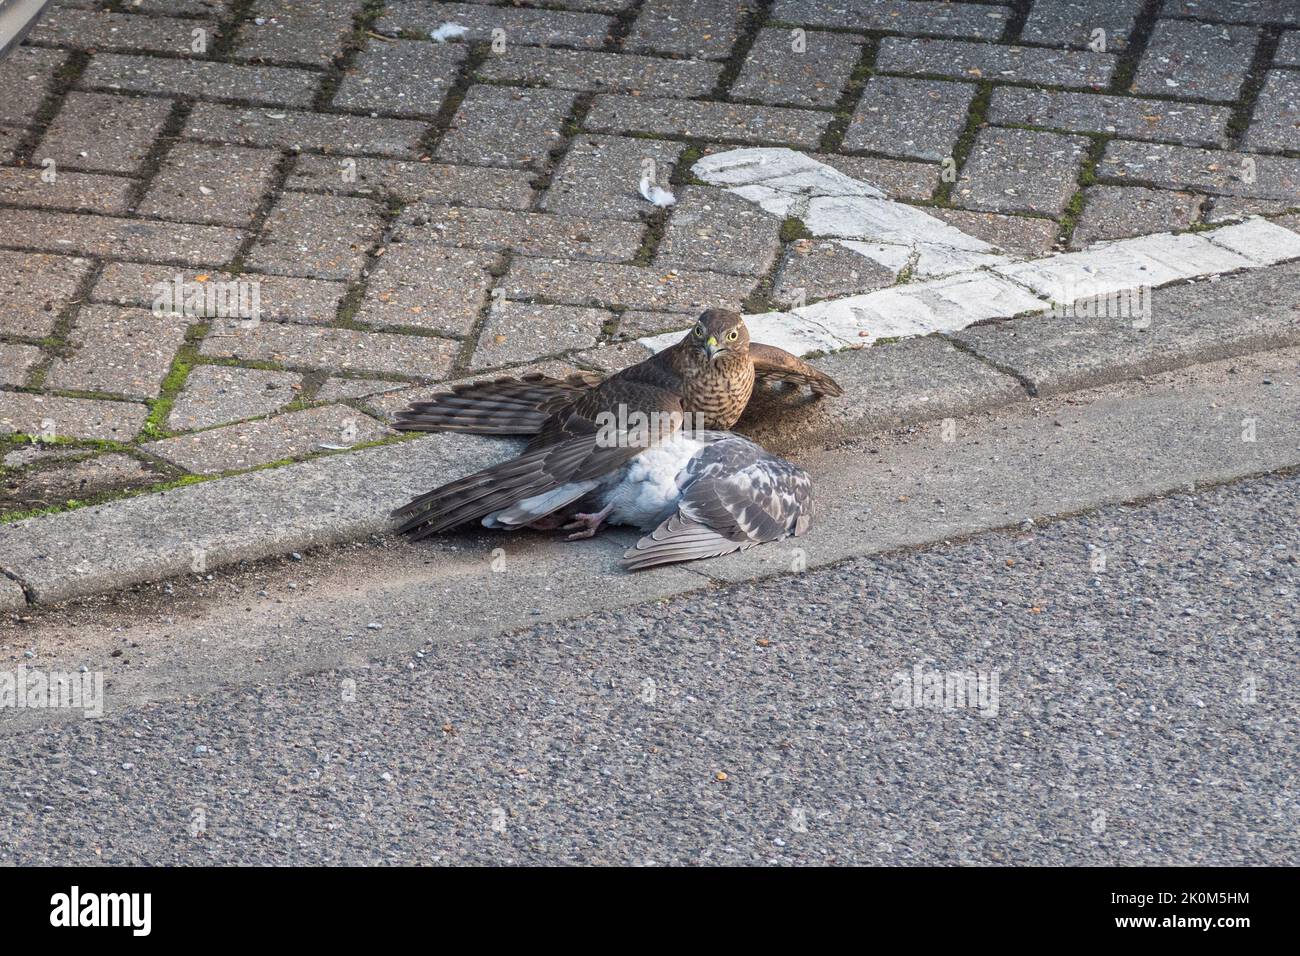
column 733, row 335
column 699, row 331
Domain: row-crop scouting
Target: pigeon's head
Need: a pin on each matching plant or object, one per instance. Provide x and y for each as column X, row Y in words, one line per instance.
column 720, row 331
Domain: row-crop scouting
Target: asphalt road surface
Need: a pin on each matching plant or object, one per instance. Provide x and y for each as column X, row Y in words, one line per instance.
column 1144, row 713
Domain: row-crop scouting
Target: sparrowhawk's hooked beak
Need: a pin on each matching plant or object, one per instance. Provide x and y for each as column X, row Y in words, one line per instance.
column 711, row 347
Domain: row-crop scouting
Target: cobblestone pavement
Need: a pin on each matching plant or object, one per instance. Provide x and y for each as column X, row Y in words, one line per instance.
column 400, row 211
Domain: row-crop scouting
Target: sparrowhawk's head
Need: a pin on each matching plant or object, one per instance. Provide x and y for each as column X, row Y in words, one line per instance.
column 719, row 331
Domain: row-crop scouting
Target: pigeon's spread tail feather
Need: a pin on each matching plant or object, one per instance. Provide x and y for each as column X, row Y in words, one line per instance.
column 680, row 539
column 503, row 406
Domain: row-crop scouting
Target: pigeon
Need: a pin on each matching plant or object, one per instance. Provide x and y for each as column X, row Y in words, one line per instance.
column 697, row 494
column 599, row 447
column 711, row 370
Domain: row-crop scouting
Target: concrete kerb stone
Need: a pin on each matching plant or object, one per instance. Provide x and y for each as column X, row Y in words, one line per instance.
column 245, row 517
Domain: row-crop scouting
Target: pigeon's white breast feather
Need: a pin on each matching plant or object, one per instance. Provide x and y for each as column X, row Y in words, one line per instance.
column 649, row 484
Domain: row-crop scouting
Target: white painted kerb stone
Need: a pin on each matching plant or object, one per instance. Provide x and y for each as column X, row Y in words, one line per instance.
column 980, row 284
column 1258, row 240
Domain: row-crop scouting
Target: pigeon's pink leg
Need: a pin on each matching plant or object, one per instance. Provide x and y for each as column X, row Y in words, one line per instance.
column 588, row 523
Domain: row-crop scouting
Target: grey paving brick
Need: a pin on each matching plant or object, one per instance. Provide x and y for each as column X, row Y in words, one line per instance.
column 119, row 351
column 1235, row 11
column 1187, row 324
column 337, row 388
column 34, row 288
column 1080, row 69
column 1117, row 212
column 219, row 394
column 62, row 232
column 602, row 6
column 435, row 288
column 545, row 27
column 17, row 362
column 516, row 332
column 636, row 323
column 204, row 79
column 1288, row 49
column 615, row 356
column 1127, row 116
column 814, row 269
column 1230, row 208
column 60, row 417
column 601, row 72
column 637, row 287
column 73, row 480
column 506, row 126
column 1275, row 123
column 697, row 29
column 976, row 21
column 1025, row 235
column 548, row 235
column 600, row 176
column 280, row 298
column 292, row 129
column 722, row 121
column 249, row 444
column 343, row 350
column 1214, row 171
column 183, row 8
column 405, row 77
column 297, row 31
column 1073, row 22
column 26, row 78
column 90, row 192
column 1016, row 170
column 319, row 236
column 103, row 30
column 414, row 181
column 900, row 179
column 797, row 67
column 716, row 230
column 1206, row 60
column 223, row 185
column 903, row 117
column 102, row 131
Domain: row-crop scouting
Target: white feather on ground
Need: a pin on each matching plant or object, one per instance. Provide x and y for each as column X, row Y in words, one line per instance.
column 655, row 194
column 448, row 31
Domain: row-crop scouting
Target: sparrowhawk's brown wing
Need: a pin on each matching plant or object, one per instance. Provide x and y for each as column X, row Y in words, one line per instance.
column 584, row 441
column 640, row 388
column 502, row 406
column 778, row 365
column 734, row 495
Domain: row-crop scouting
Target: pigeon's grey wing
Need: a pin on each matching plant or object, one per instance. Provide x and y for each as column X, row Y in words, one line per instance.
column 777, row 365
column 503, row 406
column 735, row 495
